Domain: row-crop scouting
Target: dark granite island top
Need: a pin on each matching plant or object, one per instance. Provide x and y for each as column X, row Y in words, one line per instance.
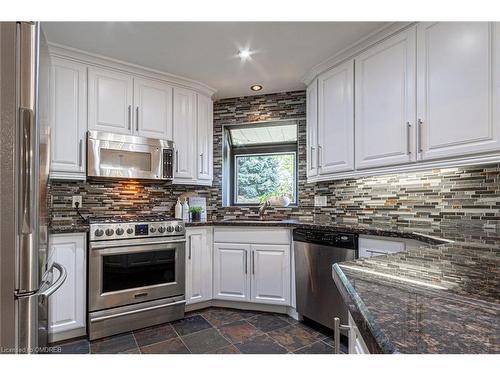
column 435, row 299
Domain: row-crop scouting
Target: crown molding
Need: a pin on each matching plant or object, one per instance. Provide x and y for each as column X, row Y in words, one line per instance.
column 101, row 61
column 356, row 48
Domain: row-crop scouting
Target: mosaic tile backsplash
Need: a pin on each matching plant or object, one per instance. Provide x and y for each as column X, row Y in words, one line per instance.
column 445, row 196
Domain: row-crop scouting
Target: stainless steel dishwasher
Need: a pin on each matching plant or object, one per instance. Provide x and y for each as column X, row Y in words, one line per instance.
column 315, row 252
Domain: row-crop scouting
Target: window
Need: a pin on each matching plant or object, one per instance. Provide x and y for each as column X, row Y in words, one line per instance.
column 260, row 162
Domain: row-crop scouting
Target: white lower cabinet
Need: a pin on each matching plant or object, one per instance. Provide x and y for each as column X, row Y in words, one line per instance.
column 231, row 281
column 252, row 272
column 270, row 274
column 356, row 343
column 67, row 306
column 198, row 265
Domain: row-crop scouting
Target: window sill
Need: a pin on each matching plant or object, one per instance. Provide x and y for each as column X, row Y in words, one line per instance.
column 258, row 205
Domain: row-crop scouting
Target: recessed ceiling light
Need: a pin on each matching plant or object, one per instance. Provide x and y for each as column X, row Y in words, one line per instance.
column 244, row 54
column 256, row 87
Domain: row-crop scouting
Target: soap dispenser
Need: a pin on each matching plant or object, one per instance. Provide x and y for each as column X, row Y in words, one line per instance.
column 185, row 211
column 178, row 209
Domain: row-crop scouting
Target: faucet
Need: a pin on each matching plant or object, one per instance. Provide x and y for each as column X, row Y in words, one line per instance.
column 262, row 209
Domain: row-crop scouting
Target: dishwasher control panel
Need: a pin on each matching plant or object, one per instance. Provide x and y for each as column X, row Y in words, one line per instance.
column 325, row 237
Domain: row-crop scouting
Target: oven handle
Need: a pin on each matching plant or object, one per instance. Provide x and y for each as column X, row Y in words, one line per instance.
column 122, row 244
column 101, row 318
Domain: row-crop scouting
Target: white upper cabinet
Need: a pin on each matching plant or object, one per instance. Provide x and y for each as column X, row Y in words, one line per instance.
column 385, row 102
column 204, row 136
column 425, row 97
column 153, row 109
column 336, row 119
column 312, row 129
column 184, row 136
column 68, row 111
column 458, row 88
column 270, row 274
column 110, row 101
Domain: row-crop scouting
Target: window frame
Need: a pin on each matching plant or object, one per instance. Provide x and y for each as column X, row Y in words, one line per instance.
column 261, row 150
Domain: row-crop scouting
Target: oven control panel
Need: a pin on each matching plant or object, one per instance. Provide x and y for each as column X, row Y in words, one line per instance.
column 116, row 231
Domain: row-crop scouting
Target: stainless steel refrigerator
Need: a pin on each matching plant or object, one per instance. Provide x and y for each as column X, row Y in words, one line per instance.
column 27, row 275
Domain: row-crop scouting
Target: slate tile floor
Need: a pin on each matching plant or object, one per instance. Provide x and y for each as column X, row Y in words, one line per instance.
column 217, row 331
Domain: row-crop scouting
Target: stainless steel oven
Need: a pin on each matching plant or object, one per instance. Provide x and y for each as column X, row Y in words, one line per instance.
column 136, row 276
column 131, row 271
column 124, row 156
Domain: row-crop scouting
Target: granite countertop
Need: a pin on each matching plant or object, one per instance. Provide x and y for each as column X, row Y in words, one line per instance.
column 424, row 233
column 434, row 299
column 68, row 228
column 439, row 298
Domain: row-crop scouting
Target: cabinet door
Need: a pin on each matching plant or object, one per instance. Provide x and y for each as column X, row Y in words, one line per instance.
column 68, row 103
column 110, row 101
column 67, row 307
column 184, row 135
column 356, row 343
column 457, row 88
column 198, row 265
column 385, row 102
column 312, row 129
column 231, row 272
column 336, row 119
column 204, row 126
column 270, row 266
column 153, row 109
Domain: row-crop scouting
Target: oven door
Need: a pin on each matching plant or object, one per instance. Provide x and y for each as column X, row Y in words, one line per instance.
column 124, row 272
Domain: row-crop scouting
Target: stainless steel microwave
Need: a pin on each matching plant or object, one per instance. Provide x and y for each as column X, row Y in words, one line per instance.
column 123, row 156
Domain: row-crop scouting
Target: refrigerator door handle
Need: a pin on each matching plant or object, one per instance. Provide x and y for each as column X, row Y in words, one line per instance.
column 59, row 282
column 26, row 121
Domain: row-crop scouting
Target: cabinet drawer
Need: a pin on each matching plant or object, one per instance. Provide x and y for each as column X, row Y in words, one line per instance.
column 253, row 235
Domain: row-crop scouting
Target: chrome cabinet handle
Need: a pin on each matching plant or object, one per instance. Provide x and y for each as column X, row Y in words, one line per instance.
column 246, row 261
column 129, row 119
column 137, row 118
column 202, row 169
column 177, row 160
column 408, row 132
column 419, row 135
column 320, row 148
column 336, row 334
column 377, row 252
column 60, row 280
column 312, row 157
column 189, row 251
column 26, row 123
column 253, row 262
column 80, row 150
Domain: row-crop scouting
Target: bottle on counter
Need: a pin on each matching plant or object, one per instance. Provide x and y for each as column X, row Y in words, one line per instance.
column 185, row 211
column 178, row 209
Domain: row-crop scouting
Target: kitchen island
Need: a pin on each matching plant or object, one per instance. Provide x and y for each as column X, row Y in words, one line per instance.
column 434, row 299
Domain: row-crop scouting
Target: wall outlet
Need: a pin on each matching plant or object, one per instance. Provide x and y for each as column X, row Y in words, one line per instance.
column 76, row 198
column 319, row 201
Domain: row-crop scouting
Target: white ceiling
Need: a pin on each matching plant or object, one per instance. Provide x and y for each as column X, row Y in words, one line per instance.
column 283, row 52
